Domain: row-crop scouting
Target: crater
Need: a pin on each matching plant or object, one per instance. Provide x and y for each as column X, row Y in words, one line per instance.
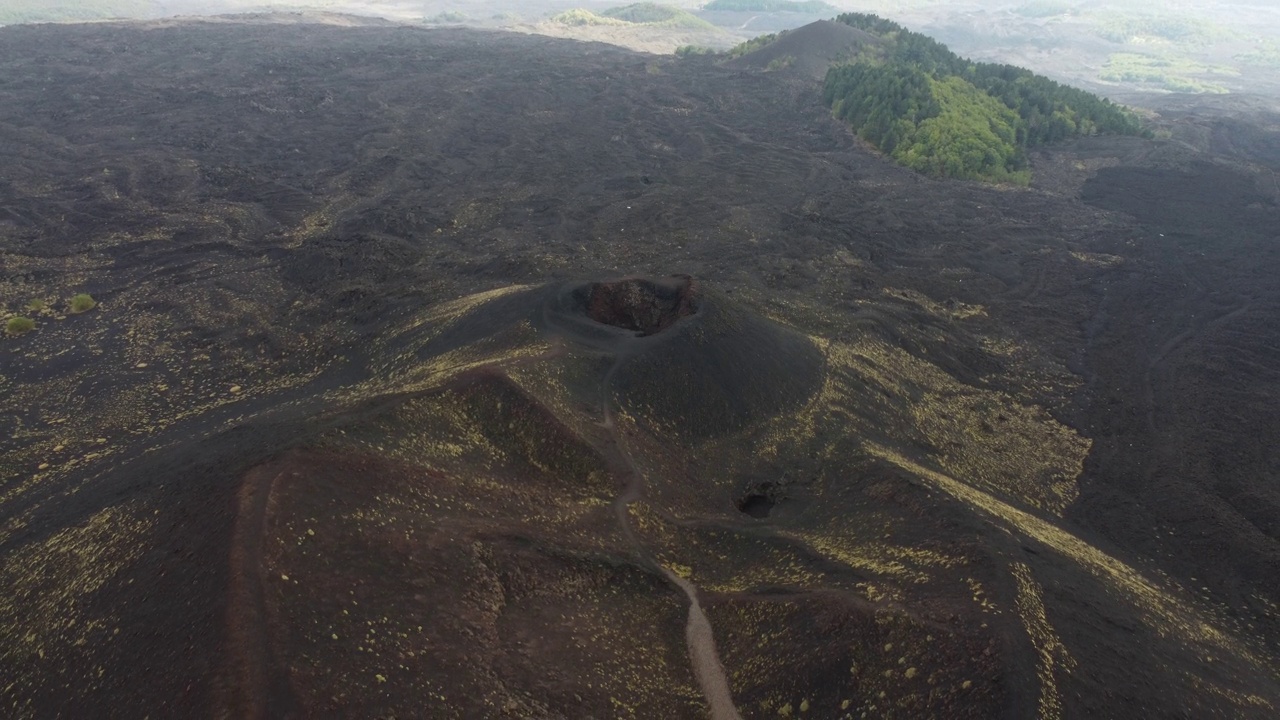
column 755, row 505
column 646, row 307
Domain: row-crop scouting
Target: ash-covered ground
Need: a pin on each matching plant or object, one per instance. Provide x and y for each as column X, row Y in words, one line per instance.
column 363, row 424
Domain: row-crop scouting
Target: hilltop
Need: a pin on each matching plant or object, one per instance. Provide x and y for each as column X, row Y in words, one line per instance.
column 810, row 50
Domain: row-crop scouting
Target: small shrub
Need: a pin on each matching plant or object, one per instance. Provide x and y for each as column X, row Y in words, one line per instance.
column 19, row 325
column 694, row 50
column 82, row 302
column 36, row 305
column 780, row 63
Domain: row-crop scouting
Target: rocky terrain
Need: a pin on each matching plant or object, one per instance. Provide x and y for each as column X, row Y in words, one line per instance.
column 450, row 373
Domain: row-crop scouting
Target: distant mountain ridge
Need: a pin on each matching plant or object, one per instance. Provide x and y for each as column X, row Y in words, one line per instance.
column 805, row 6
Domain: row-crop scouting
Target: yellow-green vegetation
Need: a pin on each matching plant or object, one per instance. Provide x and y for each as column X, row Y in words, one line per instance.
column 650, row 14
column 1126, row 27
column 973, row 136
column 753, row 44
column 64, row 570
column 941, row 114
column 36, row 305
column 82, row 303
column 781, row 63
column 579, row 17
column 654, row 14
column 19, row 325
column 694, row 50
column 1265, row 54
column 1172, row 74
column 1054, row 658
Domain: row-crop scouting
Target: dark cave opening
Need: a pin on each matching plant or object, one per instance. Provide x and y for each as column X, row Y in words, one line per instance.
column 757, row 506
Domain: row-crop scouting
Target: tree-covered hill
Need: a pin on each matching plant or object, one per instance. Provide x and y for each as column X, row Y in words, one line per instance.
column 942, row 114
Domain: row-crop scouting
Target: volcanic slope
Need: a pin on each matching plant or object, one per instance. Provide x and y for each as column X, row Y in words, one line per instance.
column 811, row 49
column 344, row 434
column 554, row 471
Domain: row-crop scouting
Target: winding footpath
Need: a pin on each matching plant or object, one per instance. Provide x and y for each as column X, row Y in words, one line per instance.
column 705, row 659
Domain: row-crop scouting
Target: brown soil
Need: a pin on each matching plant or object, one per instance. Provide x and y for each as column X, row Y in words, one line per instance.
column 344, row 434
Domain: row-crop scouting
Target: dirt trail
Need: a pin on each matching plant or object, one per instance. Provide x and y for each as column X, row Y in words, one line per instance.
column 707, row 668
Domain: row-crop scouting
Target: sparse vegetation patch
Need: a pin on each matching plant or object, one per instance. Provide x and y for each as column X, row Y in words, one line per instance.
column 781, row 63
column 1264, row 54
column 1123, row 28
column 579, row 17
column 651, row 14
column 1173, row 75
column 648, row 13
column 19, row 325
column 753, row 44
column 694, row 50
column 82, row 303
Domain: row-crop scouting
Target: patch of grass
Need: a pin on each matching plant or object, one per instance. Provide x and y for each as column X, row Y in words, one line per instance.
column 82, row 303
column 754, row 44
column 579, row 17
column 36, row 305
column 19, row 325
column 1167, row 73
column 694, row 50
column 1126, row 28
column 780, row 63
column 1266, row 54
column 649, row 14
column 642, row 13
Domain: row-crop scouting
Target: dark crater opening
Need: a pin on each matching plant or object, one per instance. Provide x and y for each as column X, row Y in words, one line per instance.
column 757, row 506
column 645, row 306
column 760, row 497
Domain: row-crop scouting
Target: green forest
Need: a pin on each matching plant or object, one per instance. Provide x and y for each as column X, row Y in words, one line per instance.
column 943, row 115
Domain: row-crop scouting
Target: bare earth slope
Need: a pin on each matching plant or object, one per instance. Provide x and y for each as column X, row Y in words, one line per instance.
column 810, row 49
column 374, row 417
